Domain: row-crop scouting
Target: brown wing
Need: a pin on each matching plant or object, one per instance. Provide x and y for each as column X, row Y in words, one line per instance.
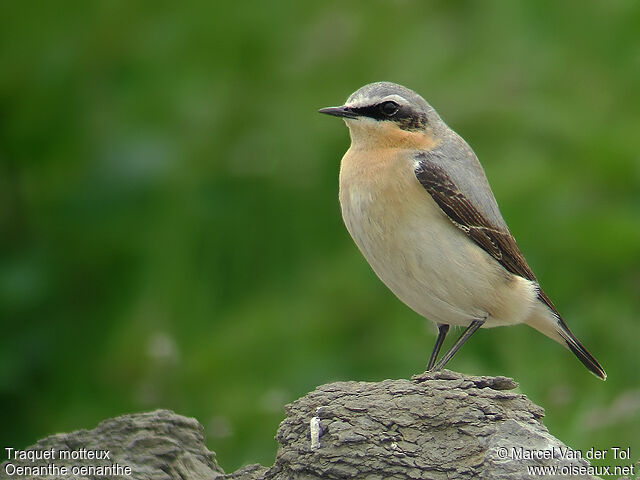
column 497, row 242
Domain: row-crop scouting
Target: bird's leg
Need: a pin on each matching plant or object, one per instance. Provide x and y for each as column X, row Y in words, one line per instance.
column 471, row 329
column 442, row 332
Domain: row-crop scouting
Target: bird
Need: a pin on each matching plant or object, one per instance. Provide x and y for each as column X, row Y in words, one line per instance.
column 417, row 203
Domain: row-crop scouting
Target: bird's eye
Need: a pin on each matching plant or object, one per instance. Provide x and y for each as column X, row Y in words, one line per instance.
column 389, row 108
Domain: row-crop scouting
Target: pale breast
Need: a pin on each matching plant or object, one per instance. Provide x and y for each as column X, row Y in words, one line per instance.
column 417, row 251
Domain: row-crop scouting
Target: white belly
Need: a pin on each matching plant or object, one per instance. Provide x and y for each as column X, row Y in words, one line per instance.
column 424, row 259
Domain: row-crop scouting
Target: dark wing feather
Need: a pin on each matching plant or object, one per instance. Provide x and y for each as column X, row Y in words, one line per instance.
column 497, row 242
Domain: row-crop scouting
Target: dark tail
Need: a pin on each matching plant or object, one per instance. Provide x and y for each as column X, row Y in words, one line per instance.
column 546, row 319
column 579, row 351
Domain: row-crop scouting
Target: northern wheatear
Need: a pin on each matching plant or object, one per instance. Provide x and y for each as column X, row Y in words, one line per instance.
column 417, row 203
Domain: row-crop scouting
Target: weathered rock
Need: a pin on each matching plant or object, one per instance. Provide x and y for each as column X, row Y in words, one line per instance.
column 443, row 425
column 437, row 426
column 157, row 445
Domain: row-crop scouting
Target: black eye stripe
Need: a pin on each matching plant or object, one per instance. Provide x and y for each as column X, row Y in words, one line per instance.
column 406, row 117
column 375, row 111
column 371, row 111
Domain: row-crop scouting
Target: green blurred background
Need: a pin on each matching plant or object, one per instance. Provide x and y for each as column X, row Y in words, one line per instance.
column 170, row 231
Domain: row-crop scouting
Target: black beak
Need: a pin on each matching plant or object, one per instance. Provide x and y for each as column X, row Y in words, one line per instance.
column 345, row 112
